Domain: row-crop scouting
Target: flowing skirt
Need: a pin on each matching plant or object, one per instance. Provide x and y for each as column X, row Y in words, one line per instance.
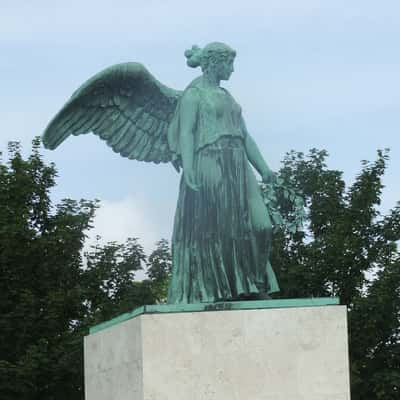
column 222, row 232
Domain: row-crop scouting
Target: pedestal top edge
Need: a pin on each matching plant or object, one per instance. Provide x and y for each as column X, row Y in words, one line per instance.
column 220, row 306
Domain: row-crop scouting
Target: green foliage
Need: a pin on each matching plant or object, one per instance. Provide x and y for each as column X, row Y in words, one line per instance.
column 278, row 196
column 109, row 279
column 49, row 295
column 347, row 249
column 159, row 270
column 40, row 271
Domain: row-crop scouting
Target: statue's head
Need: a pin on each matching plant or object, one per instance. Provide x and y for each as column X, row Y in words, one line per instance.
column 216, row 58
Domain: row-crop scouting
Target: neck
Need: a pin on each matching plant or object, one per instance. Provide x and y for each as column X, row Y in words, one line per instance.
column 210, row 79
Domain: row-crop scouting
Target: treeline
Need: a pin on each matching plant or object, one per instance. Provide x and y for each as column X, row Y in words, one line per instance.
column 51, row 293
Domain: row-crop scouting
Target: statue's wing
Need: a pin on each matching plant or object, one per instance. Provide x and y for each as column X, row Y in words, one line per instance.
column 123, row 105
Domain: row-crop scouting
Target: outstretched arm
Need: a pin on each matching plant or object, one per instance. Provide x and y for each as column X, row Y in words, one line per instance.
column 255, row 157
column 188, row 118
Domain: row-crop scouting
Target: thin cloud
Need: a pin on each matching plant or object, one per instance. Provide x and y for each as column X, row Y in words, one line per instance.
column 128, row 217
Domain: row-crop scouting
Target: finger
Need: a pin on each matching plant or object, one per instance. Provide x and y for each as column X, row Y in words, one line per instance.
column 194, row 186
column 190, row 183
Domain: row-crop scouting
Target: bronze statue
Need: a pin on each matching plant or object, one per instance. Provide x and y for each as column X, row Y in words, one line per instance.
column 222, row 230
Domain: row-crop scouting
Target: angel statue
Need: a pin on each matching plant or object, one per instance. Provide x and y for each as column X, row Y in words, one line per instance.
column 222, row 230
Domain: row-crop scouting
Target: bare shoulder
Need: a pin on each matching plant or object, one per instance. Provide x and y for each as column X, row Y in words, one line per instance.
column 191, row 95
column 190, row 98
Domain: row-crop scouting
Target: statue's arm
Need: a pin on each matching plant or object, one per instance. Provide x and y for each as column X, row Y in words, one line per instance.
column 188, row 118
column 255, row 157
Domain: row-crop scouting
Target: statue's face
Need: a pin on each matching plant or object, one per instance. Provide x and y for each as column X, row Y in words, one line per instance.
column 222, row 67
column 226, row 68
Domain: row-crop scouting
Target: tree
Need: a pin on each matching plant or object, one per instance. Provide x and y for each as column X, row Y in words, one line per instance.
column 108, row 280
column 49, row 294
column 348, row 249
column 40, row 270
column 159, row 268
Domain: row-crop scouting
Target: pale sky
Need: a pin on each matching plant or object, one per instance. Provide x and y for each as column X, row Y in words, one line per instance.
column 308, row 73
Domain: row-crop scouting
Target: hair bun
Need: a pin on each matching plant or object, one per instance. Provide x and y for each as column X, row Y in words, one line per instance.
column 193, row 56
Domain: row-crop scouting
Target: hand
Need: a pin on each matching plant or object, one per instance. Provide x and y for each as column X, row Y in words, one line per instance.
column 268, row 176
column 190, row 180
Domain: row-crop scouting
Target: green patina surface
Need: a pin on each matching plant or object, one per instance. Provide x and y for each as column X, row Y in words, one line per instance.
column 223, row 306
column 222, row 234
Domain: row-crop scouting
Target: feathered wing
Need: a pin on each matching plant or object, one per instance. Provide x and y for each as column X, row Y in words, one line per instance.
column 123, row 105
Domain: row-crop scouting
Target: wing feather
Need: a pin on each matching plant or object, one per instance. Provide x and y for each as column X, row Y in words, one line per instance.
column 97, row 127
column 81, row 121
column 64, row 125
column 113, row 124
column 134, row 145
column 129, row 145
column 123, row 105
column 124, row 142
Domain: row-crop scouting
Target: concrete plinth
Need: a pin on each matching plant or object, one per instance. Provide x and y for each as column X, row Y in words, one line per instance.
column 294, row 353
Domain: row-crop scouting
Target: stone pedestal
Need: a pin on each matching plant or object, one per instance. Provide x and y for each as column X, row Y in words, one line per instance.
column 289, row 353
